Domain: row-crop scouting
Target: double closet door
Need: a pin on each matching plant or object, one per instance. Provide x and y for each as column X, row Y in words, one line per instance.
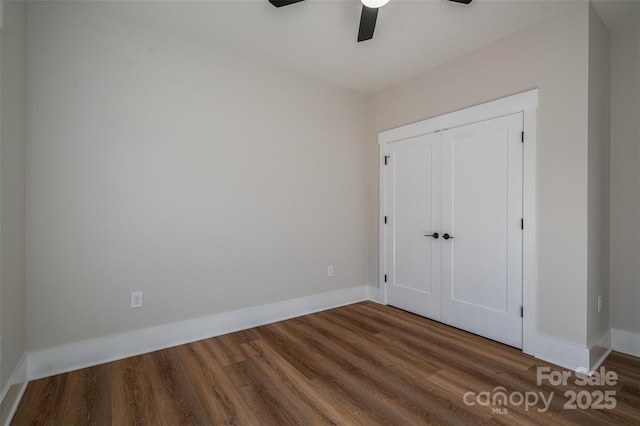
column 453, row 206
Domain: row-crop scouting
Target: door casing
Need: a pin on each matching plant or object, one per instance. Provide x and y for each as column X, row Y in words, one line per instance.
column 527, row 103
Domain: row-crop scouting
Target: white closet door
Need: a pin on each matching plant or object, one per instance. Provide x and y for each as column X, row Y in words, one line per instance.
column 413, row 200
column 482, row 211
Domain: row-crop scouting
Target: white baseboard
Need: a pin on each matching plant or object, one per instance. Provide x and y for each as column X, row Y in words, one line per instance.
column 571, row 356
column 599, row 350
column 62, row 359
column 562, row 353
column 376, row 294
column 624, row 341
column 13, row 391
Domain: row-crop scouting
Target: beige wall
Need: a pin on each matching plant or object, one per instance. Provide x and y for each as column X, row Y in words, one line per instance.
column 208, row 181
column 553, row 56
column 625, row 179
column 12, row 170
column 598, row 203
column 200, row 177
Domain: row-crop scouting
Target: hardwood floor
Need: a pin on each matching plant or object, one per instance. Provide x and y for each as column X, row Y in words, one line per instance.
column 363, row 364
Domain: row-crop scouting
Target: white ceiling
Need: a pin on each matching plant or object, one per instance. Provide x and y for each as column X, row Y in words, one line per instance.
column 318, row 37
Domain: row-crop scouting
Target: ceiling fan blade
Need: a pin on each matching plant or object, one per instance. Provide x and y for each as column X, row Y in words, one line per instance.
column 462, row 1
column 367, row 23
column 280, row 3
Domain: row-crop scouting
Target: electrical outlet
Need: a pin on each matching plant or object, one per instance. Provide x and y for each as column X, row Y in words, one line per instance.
column 330, row 271
column 599, row 303
column 136, row 299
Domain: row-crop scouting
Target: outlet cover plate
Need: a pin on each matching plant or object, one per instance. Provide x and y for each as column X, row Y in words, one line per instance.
column 136, row 299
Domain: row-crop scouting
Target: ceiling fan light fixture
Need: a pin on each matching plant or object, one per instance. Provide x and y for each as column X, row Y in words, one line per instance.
column 374, row 4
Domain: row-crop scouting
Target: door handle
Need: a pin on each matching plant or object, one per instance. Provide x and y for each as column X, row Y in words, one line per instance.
column 447, row 236
column 435, row 235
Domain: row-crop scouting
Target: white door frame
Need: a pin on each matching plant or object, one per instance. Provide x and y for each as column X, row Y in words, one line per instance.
column 527, row 103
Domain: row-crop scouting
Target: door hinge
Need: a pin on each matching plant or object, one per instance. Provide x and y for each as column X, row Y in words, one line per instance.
column 385, row 278
column 522, row 137
column 521, row 223
column 521, row 312
column 385, row 219
column 386, row 157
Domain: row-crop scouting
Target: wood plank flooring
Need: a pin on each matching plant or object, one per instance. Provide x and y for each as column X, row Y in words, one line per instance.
column 363, row 364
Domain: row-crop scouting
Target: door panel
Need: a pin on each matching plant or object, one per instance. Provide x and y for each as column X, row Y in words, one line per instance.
column 482, row 209
column 413, row 260
column 479, row 214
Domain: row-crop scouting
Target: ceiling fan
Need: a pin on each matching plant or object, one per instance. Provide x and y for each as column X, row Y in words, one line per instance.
column 368, row 16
